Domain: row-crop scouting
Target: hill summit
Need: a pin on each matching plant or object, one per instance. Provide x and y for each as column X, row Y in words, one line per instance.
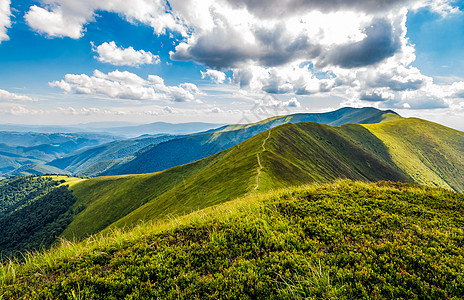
column 346, row 240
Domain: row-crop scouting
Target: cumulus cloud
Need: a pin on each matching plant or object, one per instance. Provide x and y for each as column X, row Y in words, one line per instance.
column 215, row 110
column 373, row 96
column 112, row 54
column 293, row 102
column 67, row 18
column 381, row 42
column 126, row 85
column 269, row 104
column 55, row 23
column 287, row 53
column 296, row 78
column 214, row 75
column 169, row 110
column 456, row 90
column 5, row 21
column 12, row 97
column 227, row 46
column 276, row 8
column 357, row 50
column 236, row 36
column 83, row 111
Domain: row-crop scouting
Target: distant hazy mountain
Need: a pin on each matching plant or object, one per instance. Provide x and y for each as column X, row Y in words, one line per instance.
column 36, row 169
column 197, row 146
column 32, row 139
column 107, row 153
column 124, row 129
column 24, row 148
column 161, row 127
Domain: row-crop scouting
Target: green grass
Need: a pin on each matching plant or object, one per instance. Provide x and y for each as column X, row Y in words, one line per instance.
column 311, row 152
column 341, row 240
column 407, row 150
column 68, row 180
column 127, row 199
column 431, row 154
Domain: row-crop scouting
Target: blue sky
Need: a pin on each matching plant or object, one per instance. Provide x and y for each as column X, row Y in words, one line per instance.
column 75, row 61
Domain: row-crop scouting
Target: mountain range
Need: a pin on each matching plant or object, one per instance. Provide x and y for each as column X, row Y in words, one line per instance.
column 284, row 170
column 407, row 150
column 19, row 149
column 121, row 129
column 172, row 152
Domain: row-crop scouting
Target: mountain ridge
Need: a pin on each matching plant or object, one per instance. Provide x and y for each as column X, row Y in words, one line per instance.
column 294, row 154
column 172, row 153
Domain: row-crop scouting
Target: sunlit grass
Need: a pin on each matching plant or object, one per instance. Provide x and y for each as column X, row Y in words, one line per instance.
column 340, row 240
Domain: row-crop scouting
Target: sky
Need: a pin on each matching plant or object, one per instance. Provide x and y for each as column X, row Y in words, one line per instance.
column 228, row 61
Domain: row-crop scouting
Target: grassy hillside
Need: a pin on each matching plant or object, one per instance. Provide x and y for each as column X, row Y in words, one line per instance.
column 288, row 155
column 284, row 156
column 431, row 154
column 172, row 153
column 346, row 240
column 179, row 190
column 311, row 152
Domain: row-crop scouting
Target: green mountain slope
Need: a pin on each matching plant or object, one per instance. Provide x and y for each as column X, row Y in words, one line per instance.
column 345, row 240
column 197, row 146
column 431, row 154
column 178, row 190
column 291, row 154
column 82, row 159
column 33, row 212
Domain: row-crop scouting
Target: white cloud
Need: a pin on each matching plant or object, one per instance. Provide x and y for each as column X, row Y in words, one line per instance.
column 442, row 7
column 270, row 105
column 356, row 50
column 112, row 54
column 84, row 111
column 302, row 52
column 67, row 18
column 126, row 85
column 215, row 75
column 215, row 110
column 294, row 78
column 293, row 102
column 169, row 110
column 55, row 23
column 5, row 21
column 7, row 96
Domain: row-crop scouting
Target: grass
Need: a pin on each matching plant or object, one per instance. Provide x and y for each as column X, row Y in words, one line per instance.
column 69, row 180
column 339, row 240
column 407, row 150
column 180, row 190
column 429, row 153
